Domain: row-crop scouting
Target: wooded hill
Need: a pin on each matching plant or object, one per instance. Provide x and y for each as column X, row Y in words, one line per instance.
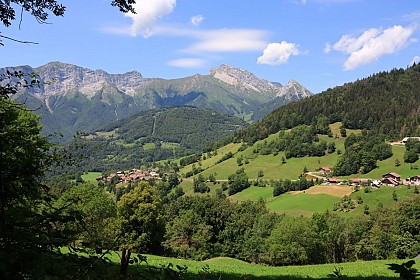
column 387, row 102
column 155, row 135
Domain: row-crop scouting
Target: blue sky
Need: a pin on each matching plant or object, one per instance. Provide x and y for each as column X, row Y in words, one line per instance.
column 320, row 43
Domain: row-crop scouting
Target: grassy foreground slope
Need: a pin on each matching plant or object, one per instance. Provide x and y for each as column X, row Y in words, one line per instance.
column 228, row 268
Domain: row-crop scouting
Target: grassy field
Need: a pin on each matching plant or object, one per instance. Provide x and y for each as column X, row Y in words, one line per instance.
column 274, row 169
column 271, row 165
column 211, row 161
column 149, row 146
column 382, row 195
column 302, row 204
column 322, row 198
column 91, row 177
column 254, row 194
column 188, row 187
column 229, row 268
column 335, row 129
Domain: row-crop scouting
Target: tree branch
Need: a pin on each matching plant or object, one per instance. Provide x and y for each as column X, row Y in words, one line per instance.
column 19, row 41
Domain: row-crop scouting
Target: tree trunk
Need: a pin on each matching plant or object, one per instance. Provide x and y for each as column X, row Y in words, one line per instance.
column 125, row 260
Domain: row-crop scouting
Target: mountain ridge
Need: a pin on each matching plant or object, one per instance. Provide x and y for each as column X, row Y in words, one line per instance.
column 73, row 98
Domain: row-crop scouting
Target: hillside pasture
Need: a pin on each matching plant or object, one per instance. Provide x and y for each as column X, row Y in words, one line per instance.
column 211, row 161
column 388, row 165
column 335, row 129
column 334, row 190
column 271, row 165
column 254, row 194
column 321, row 198
column 302, row 204
column 382, row 195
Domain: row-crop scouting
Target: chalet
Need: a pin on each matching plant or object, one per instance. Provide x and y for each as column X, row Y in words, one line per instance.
column 355, row 182
column 392, row 175
column 324, row 170
column 390, row 182
column 332, row 180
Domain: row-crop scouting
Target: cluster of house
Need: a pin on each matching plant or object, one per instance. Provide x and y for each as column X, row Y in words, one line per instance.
column 388, row 179
column 129, row 176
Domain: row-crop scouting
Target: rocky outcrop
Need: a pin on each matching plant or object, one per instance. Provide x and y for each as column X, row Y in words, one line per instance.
column 293, row 91
column 242, row 78
column 64, row 78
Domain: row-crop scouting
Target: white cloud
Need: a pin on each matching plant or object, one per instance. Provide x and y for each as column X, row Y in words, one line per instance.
column 278, row 53
column 416, row 60
column 327, row 48
column 148, row 12
column 188, row 62
column 349, row 44
column 228, row 40
column 372, row 44
column 197, row 20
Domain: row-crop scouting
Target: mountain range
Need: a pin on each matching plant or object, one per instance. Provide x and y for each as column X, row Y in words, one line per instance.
column 72, row 98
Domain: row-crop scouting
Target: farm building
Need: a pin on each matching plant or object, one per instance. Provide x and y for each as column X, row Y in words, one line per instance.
column 390, row 182
column 332, row 180
column 324, row 170
column 392, row 175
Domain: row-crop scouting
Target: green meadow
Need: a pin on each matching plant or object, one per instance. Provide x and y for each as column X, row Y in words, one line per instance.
column 222, row 268
column 302, row 204
column 91, row 177
column 254, row 194
column 273, row 168
column 382, row 195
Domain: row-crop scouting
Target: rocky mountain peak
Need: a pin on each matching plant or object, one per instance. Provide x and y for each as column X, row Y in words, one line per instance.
column 63, row 77
column 294, row 91
column 242, row 78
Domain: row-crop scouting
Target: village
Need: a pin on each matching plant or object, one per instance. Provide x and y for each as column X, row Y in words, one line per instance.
column 130, row 176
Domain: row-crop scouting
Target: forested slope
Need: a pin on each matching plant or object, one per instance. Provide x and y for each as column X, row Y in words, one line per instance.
column 387, row 102
column 156, row 135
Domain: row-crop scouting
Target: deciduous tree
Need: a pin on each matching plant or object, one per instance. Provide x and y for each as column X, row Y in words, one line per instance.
column 97, row 210
column 140, row 215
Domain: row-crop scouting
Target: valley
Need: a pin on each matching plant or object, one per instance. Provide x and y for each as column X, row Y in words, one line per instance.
column 304, row 185
column 209, row 140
